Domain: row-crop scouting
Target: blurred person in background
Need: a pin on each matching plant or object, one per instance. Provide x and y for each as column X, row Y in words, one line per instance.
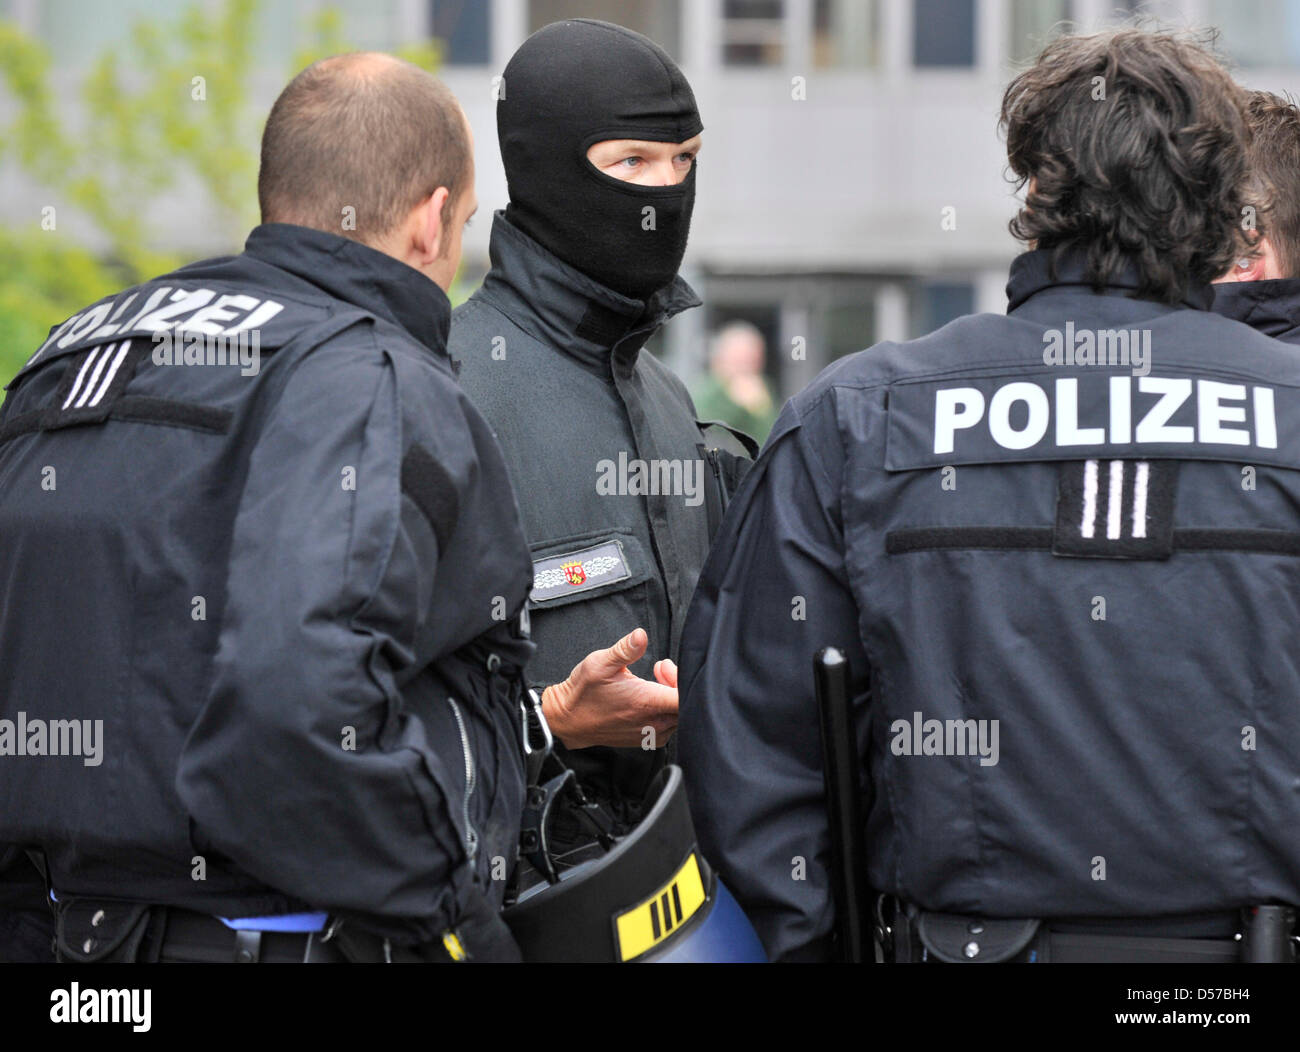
column 735, row 390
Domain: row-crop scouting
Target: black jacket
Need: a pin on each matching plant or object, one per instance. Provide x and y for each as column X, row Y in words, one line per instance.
column 276, row 585
column 942, row 511
column 554, row 361
column 1272, row 307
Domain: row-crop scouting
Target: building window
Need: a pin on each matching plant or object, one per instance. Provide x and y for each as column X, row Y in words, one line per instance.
column 846, row 34
column 465, row 29
column 936, row 303
column 848, row 324
column 1033, row 25
column 943, row 33
column 660, row 20
column 753, row 32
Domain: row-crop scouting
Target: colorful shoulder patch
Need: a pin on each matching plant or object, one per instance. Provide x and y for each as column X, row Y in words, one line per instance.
column 580, row 571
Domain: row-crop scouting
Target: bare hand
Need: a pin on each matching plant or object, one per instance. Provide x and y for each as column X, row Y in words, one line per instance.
column 602, row 703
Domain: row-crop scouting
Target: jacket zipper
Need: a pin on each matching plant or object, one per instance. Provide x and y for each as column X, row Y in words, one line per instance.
column 471, row 836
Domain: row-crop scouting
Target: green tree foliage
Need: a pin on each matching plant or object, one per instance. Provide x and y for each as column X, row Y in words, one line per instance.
column 167, row 112
column 43, row 284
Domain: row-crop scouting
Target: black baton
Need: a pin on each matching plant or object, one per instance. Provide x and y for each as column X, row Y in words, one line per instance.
column 843, row 806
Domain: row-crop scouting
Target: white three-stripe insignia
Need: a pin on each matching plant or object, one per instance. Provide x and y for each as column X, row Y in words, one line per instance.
column 81, row 374
column 1114, row 499
column 88, row 392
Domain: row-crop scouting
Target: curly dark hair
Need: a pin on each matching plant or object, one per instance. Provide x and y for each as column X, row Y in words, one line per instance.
column 1275, row 160
column 1134, row 145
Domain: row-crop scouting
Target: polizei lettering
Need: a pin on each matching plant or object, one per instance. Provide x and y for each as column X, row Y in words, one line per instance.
column 192, row 310
column 1021, row 415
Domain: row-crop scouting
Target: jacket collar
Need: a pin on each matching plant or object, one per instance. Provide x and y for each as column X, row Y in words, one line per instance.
column 1031, row 273
column 544, row 296
column 1272, row 307
column 359, row 275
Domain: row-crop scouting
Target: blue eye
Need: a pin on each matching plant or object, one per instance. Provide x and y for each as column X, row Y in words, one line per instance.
column 631, row 162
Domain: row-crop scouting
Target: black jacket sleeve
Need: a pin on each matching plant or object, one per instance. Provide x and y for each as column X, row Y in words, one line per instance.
column 305, row 767
column 773, row 593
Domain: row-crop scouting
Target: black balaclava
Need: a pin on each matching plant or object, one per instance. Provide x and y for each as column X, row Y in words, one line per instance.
column 572, row 84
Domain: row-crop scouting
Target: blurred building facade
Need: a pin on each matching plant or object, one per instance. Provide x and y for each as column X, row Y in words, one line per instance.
column 852, row 186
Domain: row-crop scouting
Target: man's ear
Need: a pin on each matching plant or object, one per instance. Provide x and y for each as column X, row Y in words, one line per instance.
column 1272, row 266
column 429, row 232
column 1253, row 268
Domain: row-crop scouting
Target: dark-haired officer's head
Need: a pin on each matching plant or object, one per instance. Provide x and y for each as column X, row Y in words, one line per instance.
column 599, row 132
column 374, row 149
column 1275, row 164
column 1133, row 145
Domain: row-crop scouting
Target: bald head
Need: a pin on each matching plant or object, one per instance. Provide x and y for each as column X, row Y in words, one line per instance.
column 356, row 141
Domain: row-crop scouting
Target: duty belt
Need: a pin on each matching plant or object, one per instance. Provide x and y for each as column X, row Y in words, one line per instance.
column 95, row 930
column 1256, row 935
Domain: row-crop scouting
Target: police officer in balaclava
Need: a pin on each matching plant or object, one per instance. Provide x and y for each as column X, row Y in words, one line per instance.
column 571, row 87
column 620, row 488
